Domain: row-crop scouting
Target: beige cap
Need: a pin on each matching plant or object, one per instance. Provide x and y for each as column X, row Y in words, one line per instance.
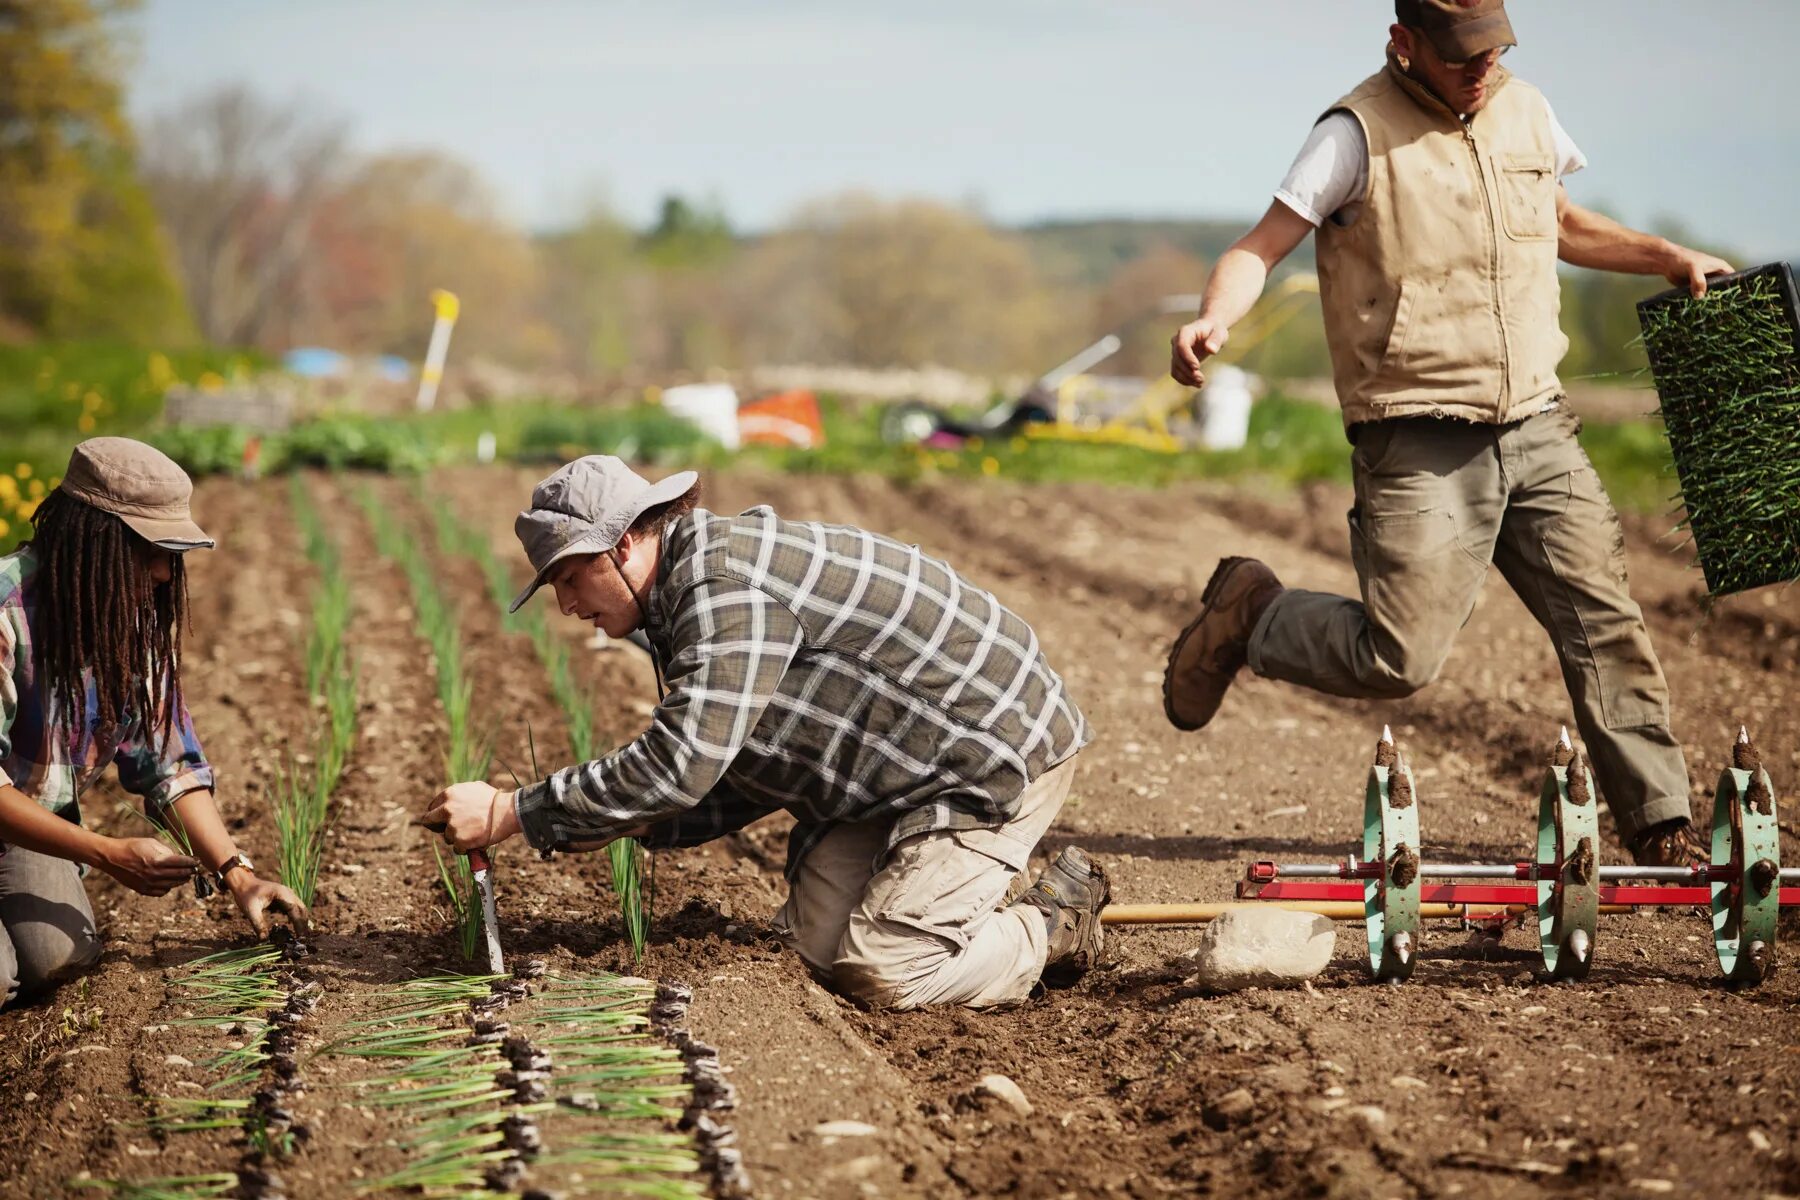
column 585, row 508
column 1459, row 29
column 140, row 485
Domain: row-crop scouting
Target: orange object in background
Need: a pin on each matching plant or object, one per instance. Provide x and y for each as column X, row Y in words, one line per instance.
column 784, row 419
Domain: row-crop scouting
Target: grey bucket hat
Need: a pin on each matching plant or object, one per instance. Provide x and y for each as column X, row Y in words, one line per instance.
column 585, row 508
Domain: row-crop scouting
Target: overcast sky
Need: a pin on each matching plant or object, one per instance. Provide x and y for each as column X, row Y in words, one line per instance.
column 1028, row 108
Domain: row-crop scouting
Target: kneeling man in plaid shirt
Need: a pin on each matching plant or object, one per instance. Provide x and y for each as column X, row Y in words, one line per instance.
column 907, row 720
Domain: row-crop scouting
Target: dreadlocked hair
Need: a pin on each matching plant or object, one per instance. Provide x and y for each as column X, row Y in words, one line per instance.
column 99, row 616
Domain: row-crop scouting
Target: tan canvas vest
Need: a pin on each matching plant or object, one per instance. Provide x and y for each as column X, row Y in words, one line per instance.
column 1441, row 298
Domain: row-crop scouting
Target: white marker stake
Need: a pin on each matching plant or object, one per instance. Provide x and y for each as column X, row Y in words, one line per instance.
column 432, row 372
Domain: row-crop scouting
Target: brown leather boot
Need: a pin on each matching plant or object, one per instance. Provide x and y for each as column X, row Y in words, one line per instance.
column 1674, row 843
column 1207, row 655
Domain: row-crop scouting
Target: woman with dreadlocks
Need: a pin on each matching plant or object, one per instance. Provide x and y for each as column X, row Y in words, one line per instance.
column 91, row 615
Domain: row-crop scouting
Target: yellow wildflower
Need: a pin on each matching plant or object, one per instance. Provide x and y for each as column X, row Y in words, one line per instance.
column 990, row 465
column 37, row 489
column 9, row 488
column 23, row 470
column 211, row 382
column 85, row 422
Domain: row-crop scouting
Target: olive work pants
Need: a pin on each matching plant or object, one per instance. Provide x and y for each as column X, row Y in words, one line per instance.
column 932, row 925
column 46, row 925
column 1437, row 501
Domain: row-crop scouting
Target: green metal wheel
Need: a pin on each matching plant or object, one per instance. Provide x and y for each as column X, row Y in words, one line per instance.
column 1746, row 838
column 1568, row 886
column 1391, row 841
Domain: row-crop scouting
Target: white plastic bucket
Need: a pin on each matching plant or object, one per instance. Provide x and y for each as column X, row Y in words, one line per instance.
column 711, row 406
column 1225, row 408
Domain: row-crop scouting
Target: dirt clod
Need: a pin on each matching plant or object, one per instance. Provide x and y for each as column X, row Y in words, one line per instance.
column 1581, row 863
column 1403, row 867
column 1758, row 797
column 1400, row 788
column 1579, row 792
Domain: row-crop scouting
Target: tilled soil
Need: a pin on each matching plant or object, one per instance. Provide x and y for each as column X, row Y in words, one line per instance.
column 1473, row 1079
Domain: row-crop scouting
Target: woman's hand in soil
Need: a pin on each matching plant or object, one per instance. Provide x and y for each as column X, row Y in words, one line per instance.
column 257, row 898
column 472, row 816
column 145, row 865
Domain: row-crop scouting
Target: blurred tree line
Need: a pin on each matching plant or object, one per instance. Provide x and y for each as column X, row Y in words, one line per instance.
column 243, row 222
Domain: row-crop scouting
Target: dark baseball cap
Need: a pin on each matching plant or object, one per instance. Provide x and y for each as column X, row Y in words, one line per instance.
column 1458, row 29
column 585, row 508
column 141, row 486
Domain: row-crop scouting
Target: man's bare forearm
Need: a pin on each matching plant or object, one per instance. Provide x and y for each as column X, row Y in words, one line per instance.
column 1236, row 284
column 1589, row 239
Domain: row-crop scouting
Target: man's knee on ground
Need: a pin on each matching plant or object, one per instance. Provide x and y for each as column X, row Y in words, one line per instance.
column 890, row 966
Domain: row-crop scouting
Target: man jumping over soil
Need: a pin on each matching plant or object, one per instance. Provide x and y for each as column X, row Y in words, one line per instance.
column 91, row 614
column 1434, row 189
column 907, row 720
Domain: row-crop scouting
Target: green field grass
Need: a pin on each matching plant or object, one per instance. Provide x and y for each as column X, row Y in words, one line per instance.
column 50, row 397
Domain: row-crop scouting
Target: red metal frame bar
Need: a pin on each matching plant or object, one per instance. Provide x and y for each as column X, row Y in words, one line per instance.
column 1488, row 893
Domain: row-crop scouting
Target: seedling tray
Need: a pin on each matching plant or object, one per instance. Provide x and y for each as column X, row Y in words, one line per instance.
column 1727, row 371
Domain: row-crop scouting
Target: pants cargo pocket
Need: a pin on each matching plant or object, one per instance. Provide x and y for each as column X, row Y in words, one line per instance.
column 939, row 882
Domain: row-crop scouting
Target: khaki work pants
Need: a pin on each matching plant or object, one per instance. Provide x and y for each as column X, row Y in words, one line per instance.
column 929, row 927
column 46, row 925
column 1437, row 501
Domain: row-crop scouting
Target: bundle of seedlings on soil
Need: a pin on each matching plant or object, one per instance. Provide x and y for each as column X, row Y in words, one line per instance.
column 467, row 756
column 1727, row 369
column 236, row 991
column 624, row 855
column 217, row 1186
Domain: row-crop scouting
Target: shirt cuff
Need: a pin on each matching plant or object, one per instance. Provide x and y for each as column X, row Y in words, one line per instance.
column 532, row 805
column 178, row 785
column 1304, row 211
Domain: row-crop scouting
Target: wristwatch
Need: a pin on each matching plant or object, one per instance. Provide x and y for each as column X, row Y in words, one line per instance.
column 239, row 859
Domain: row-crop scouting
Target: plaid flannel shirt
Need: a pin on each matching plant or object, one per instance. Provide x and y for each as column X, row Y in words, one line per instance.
column 825, row 670
column 56, row 770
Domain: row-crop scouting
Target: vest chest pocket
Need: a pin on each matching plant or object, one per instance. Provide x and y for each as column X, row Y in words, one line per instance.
column 1527, row 197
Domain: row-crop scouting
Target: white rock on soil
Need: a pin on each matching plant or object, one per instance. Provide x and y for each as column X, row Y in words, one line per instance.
column 843, row 1129
column 1368, row 1114
column 1230, row 1109
column 1262, row 947
column 1006, row 1091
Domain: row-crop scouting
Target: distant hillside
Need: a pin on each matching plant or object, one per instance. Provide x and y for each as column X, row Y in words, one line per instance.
column 1088, row 252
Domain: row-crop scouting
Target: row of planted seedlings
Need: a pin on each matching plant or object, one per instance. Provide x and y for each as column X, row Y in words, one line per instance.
column 625, row 858
column 467, row 753
column 258, row 998
column 254, row 1000
column 549, row 1098
column 555, row 1092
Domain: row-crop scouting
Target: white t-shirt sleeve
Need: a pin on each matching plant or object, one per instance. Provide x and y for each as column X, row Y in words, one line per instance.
column 1569, row 158
column 1331, row 170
